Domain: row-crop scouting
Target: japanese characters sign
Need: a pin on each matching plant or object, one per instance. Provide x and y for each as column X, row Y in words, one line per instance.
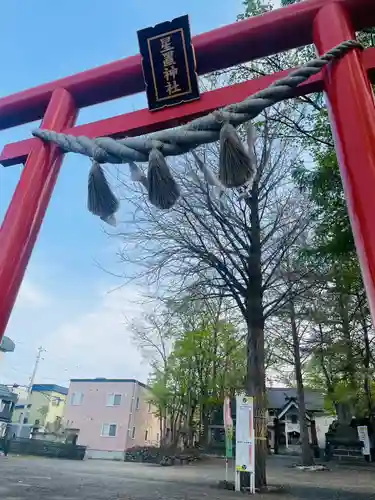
column 168, row 63
column 245, row 443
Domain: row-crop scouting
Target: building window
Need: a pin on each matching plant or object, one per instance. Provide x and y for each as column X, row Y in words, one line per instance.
column 146, row 435
column 133, row 433
column 294, row 419
column 109, row 430
column 76, row 399
column 137, row 404
column 114, row 399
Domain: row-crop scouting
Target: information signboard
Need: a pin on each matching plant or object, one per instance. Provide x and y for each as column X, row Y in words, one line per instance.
column 363, row 436
column 245, row 442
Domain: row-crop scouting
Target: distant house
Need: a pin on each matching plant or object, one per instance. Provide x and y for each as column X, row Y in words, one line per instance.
column 111, row 416
column 282, row 418
column 45, row 406
column 8, row 401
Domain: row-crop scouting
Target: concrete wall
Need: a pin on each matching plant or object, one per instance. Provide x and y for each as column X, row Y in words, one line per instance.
column 104, row 455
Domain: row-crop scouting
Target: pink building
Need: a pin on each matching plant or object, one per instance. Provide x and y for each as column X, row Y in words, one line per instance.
column 112, row 415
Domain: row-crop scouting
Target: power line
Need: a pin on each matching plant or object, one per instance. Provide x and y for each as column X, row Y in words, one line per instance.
column 32, row 380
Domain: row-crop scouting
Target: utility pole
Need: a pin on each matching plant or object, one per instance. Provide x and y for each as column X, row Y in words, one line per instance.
column 32, row 379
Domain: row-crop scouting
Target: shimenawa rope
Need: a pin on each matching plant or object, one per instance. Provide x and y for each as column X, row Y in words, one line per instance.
column 235, row 164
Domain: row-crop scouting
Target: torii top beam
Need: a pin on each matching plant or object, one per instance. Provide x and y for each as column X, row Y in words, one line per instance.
column 256, row 37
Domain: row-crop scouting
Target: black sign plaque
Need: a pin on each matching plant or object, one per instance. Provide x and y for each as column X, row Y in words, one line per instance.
column 168, row 63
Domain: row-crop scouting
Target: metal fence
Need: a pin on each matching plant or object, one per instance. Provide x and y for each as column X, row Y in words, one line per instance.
column 22, row 446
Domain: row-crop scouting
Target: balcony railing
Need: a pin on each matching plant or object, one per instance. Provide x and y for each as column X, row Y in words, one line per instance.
column 6, row 414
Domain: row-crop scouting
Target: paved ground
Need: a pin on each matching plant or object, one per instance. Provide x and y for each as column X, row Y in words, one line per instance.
column 31, row 478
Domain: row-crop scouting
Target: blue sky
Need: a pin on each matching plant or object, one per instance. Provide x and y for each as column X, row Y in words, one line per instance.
column 64, row 303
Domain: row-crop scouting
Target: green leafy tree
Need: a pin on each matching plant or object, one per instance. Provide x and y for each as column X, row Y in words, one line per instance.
column 343, row 313
column 203, row 366
column 341, row 321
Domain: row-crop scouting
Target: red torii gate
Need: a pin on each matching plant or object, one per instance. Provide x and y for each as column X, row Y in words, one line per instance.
column 326, row 23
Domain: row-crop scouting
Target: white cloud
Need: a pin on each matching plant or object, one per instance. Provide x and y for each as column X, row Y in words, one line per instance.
column 84, row 336
column 97, row 343
column 31, row 296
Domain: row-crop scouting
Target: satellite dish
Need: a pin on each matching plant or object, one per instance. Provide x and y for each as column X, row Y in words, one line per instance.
column 7, row 345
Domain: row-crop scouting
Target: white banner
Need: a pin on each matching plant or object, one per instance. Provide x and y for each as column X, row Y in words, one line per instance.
column 363, row 436
column 245, row 452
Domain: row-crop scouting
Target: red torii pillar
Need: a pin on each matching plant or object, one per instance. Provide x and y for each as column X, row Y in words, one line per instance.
column 324, row 22
column 352, row 115
column 29, row 204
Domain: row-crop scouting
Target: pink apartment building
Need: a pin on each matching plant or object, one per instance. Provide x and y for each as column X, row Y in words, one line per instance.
column 112, row 415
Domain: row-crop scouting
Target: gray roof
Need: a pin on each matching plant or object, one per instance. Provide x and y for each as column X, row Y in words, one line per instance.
column 7, row 395
column 103, row 379
column 278, row 398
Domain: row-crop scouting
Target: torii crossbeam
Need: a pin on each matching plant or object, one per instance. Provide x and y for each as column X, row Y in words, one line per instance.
column 326, row 23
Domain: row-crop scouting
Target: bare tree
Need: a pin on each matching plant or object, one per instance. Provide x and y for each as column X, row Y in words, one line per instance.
column 290, row 333
column 231, row 243
column 153, row 334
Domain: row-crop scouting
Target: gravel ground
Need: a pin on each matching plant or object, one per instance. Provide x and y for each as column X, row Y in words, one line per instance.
column 29, row 478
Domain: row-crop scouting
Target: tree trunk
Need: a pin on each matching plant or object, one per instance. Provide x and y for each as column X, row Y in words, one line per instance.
column 175, row 430
column 349, row 367
column 257, row 389
column 307, row 455
column 204, row 422
column 162, row 426
column 327, row 376
column 191, row 425
column 367, row 380
column 256, row 377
